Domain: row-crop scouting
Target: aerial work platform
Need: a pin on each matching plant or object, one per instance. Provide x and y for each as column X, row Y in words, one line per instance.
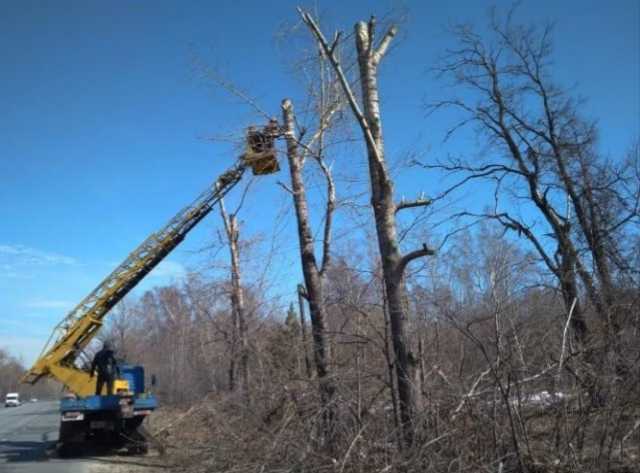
column 260, row 152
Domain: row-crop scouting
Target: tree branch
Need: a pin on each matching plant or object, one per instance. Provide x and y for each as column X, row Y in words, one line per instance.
column 302, row 291
column 407, row 204
column 407, row 258
column 511, row 223
column 285, row 187
column 335, row 63
column 331, row 206
column 380, row 51
column 325, row 122
column 230, row 87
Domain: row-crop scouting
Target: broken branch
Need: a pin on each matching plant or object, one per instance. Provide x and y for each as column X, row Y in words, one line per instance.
column 407, row 204
column 377, row 56
column 353, row 103
column 406, row 259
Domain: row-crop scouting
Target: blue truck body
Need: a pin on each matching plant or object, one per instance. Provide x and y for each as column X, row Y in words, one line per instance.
column 144, row 402
column 113, row 419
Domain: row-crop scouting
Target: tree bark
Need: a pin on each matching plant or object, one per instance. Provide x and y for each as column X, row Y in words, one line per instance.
column 303, row 330
column 237, row 306
column 312, row 274
column 384, row 208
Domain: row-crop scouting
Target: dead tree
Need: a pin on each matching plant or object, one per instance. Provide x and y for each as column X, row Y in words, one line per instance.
column 313, row 272
column 394, row 262
column 522, row 136
column 240, row 343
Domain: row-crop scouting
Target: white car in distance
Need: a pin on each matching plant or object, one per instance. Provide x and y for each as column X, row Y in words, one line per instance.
column 12, row 400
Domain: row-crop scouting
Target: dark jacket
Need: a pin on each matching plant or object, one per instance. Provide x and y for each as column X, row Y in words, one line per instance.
column 105, row 363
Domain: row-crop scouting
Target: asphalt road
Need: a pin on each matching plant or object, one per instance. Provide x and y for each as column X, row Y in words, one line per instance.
column 28, row 435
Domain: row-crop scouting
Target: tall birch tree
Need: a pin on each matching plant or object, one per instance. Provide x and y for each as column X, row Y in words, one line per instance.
column 394, row 261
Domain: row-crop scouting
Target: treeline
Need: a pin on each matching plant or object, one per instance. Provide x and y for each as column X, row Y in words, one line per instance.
column 11, row 371
column 506, row 342
column 494, row 366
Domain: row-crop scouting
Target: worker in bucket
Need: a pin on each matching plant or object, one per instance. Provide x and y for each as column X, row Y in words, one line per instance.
column 105, row 363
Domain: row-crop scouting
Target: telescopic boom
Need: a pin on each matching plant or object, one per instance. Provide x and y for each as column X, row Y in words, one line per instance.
column 79, row 327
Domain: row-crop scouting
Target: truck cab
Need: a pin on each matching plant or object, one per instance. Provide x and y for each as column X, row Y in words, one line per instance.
column 12, row 400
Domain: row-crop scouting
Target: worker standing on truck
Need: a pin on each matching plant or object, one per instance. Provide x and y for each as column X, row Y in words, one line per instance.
column 105, row 363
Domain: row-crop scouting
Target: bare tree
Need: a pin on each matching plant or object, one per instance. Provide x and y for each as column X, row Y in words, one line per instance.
column 237, row 304
column 323, row 102
column 547, row 150
column 312, row 271
column 394, row 262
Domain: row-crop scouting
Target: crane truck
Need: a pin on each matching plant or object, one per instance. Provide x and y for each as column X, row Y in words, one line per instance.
column 115, row 419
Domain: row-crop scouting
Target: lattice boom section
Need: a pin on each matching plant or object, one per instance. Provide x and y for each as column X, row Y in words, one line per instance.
column 74, row 331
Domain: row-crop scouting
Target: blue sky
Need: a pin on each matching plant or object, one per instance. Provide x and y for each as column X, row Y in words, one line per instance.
column 105, row 126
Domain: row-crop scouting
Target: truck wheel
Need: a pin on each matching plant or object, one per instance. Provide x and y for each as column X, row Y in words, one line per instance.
column 68, row 450
column 137, row 449
column 71, row 438
column 72, row 432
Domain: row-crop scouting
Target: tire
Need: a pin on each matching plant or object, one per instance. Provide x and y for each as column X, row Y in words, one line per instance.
column 137, row 450
column 72, row 432
column 143, row 449
column 68, row 450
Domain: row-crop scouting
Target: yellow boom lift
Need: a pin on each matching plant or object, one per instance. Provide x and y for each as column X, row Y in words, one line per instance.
column 72, row 335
